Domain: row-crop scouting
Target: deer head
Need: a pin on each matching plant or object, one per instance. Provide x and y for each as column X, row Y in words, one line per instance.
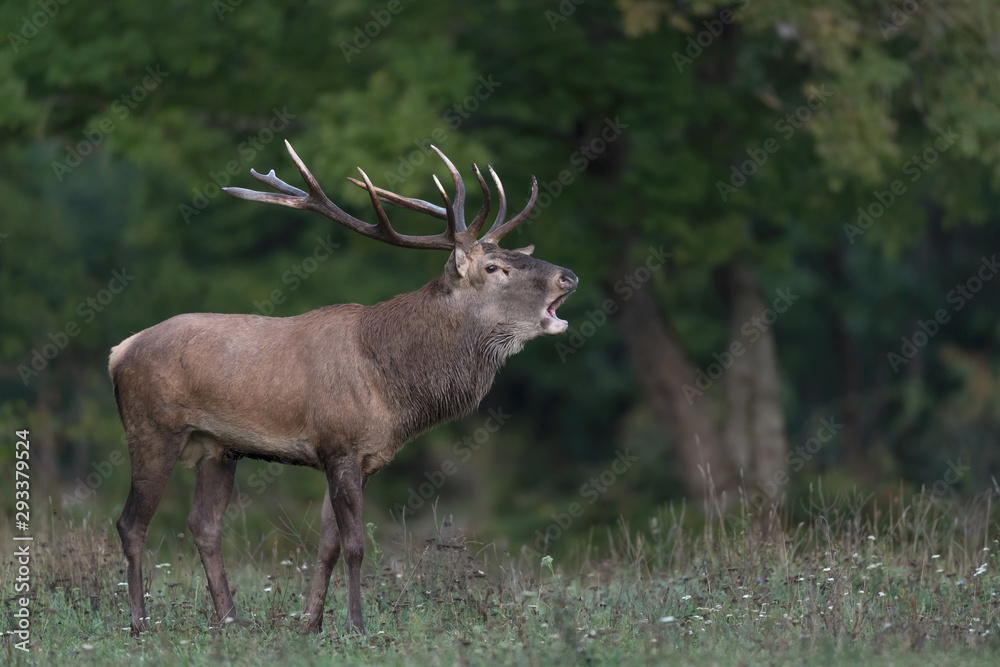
column 513, row 293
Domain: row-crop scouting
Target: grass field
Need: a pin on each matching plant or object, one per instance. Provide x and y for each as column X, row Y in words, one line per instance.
column 908, row 583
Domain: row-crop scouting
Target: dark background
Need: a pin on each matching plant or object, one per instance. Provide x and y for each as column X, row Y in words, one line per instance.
column 741, row 139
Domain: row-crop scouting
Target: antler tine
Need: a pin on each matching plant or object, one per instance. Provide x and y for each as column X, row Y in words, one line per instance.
column 484, row 210
column 497, row 233
column 383, row 219
column 316, row 200
column 447, row 207
column 502, row 211
column 409, row 203
column 314, row 189
column 459, row 207
column 271, row 179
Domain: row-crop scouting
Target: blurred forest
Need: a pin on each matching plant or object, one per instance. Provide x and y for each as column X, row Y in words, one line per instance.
column 782, row 214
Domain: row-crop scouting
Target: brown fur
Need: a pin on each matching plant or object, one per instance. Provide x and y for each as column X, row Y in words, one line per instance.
column 340, row 389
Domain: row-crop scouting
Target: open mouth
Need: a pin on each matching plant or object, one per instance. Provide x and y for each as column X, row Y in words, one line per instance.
column 551, row 322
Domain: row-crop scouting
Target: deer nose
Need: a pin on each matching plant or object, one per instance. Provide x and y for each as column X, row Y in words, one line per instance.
column 568, row 280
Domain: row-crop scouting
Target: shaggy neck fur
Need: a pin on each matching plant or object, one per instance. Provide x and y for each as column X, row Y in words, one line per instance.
column 435, row 359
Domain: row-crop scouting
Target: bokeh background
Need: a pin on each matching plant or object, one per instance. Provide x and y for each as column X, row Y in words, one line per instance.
column 782, row 214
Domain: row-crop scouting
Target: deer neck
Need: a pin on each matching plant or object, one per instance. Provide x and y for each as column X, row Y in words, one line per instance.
column 434, row 361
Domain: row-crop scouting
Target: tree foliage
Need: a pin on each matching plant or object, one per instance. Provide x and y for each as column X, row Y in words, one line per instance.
column 846, row 150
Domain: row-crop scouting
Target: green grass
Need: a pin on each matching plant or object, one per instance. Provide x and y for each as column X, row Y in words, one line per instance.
column 906, row 583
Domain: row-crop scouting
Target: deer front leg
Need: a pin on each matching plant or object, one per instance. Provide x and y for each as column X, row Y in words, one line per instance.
column 329, row 552
column 346, row 484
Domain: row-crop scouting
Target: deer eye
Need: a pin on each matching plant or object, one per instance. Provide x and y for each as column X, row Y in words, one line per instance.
column 492, row 268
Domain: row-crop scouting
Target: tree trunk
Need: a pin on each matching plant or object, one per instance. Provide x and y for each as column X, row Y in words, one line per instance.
column 850, row 377
column 45, row 457
column 663, row 369
column 752, row 442
column 754, row 434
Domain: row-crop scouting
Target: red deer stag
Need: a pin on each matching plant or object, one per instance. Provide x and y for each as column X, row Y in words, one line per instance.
column 341, row 388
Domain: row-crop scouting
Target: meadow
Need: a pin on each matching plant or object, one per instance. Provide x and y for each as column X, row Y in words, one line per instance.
column 840, row 580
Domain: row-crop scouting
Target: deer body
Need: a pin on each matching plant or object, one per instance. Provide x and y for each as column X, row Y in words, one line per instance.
column 253, row 407
column 340, row 389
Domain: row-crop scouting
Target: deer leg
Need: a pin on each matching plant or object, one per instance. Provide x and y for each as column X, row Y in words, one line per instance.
column 346, row 485
column 211, row 496
column 329, row 552
column 145, row 493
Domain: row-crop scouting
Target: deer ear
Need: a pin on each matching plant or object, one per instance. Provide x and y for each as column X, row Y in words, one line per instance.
column 459, row 261
column 526, row 250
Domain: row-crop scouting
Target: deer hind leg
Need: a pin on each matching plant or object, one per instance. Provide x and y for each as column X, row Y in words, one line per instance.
column 150, row 472
column 212, row 493
column 329, row 552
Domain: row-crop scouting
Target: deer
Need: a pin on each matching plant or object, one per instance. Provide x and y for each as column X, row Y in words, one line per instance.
column 340, row 389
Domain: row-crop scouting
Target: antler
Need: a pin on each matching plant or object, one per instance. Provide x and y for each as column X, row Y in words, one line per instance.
column 497, row 231
column 316, row 200
column 454, row 212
